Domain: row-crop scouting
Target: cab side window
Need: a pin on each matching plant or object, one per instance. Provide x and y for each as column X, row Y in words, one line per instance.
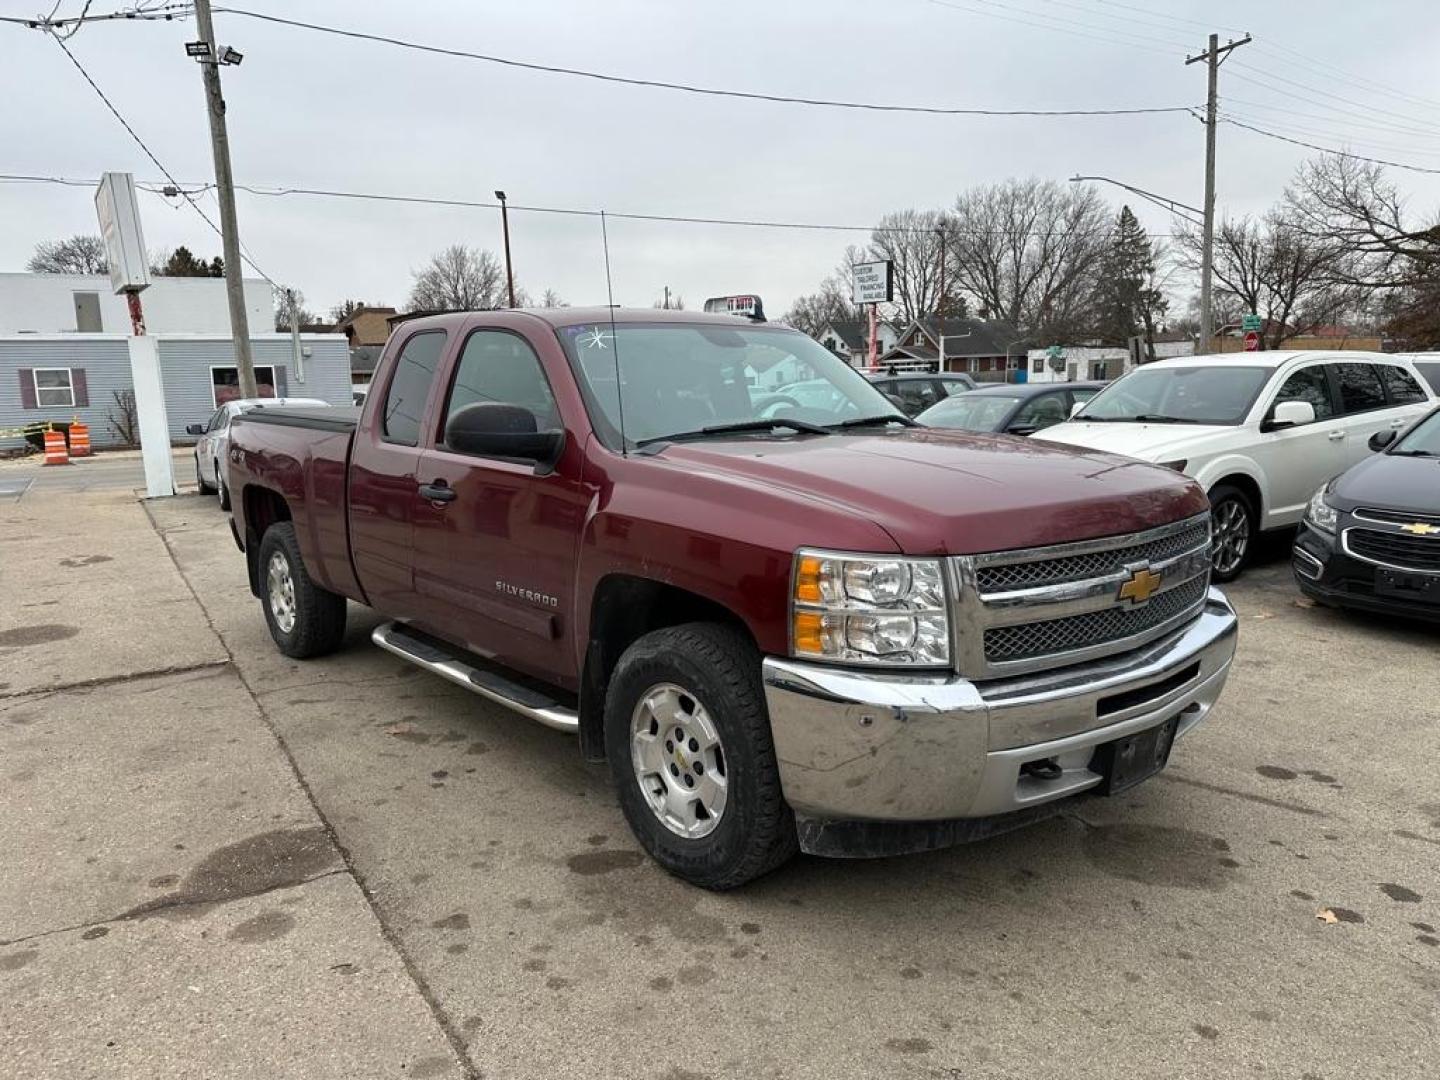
column 1308, row 384
column 410, row 386
column 1403, row 389
column 1360, row 387
column 498, row 366
column 916, row 394
column 1041, row 412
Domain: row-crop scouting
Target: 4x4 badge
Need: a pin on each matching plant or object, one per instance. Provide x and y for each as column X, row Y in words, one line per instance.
column 1140, row 585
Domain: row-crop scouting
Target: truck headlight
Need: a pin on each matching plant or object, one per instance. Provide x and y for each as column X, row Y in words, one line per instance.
column 1320, row 513
column 863, row 609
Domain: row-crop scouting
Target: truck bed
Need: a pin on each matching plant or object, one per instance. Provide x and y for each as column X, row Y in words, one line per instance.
column 343, row 418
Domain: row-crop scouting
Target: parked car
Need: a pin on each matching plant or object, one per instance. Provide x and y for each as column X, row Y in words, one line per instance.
column 1260, row 431
column 917, row 391
column 214, row 437
column 1428, row 365
column 1013, row 408
column 1371, row 537
column 836, row 630
column 358, row 392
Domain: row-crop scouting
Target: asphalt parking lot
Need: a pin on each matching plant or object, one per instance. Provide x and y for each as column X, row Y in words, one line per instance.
column 349, row 868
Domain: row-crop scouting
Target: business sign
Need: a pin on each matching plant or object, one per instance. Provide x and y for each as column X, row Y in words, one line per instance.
column 1249, row 322
column 119, row 215
column 749, row 306
column 874, row 282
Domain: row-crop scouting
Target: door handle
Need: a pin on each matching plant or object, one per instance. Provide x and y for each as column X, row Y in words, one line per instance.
column 438, row 492
column 1336, row 436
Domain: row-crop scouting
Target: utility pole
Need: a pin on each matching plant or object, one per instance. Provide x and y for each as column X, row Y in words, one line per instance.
column 210, row 62
column 1212, row 56
column 667, row 298
column 940, row 302
column 505, row 226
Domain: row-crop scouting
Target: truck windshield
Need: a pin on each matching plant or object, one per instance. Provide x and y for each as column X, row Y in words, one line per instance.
column 681, row 379
column 1179, row 395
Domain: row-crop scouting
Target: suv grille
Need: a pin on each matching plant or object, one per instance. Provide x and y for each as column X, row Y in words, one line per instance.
column 993, row 579
column 1397, row 549
column 1081, row 631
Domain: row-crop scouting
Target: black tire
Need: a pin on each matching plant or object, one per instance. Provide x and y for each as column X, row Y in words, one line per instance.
column 319, row 615
column 756, row 829
column 222, row 489
column 1223, row 502
column 205, row 489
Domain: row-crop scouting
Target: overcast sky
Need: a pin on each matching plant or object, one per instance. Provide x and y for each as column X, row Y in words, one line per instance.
column 312, row 110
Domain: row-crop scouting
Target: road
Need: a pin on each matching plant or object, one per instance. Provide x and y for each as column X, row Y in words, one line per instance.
column 116, row 470
column 1267, row 907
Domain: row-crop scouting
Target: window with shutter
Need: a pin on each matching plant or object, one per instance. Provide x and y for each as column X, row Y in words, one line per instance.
column 27, row 388
column 53, row 388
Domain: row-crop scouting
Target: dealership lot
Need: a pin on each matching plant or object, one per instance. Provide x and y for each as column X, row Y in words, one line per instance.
column 349, row 868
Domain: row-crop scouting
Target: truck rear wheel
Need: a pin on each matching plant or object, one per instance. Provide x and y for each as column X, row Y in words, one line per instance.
column 688, row 740
column 304, row 619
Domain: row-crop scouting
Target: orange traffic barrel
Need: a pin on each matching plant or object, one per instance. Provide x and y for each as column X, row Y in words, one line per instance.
column 79, row 439
column 55, row 452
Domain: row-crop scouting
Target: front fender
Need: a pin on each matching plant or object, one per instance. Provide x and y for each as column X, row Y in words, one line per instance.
column 1217, row 469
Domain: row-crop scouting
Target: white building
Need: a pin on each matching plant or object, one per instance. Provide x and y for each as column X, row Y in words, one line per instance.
column 85, row 303
column 1083, row 363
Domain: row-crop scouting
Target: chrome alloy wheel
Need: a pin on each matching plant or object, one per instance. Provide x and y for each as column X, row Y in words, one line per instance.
column 1232, row 536
column 282, row 592
column 678, row 760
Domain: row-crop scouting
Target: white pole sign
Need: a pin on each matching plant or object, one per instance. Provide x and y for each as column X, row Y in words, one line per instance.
column 874, row 282
column 119, row 215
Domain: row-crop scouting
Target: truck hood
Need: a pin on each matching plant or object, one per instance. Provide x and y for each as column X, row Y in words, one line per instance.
column 1148, row 442
column 1390, row 482
column 950, row 492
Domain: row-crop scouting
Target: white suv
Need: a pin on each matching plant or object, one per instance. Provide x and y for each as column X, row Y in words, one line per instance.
column 1260, row 431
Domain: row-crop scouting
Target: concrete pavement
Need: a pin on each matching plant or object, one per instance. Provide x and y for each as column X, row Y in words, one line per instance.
column 1171, row 932
column 109, row 470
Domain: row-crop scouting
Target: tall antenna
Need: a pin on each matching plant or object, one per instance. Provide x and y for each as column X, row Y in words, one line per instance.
column 614, row 336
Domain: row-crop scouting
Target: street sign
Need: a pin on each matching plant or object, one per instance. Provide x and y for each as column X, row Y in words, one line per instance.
column 1252, row 341
column 1249, row 322
column 1055, row 354
column 874, row 282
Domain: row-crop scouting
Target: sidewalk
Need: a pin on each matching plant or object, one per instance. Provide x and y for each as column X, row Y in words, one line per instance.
column 172, row 902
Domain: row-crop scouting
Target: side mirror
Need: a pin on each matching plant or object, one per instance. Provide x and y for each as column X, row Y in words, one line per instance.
column 1290, row 414
column 194, row 429
column 491, row 429
column 1381, row 439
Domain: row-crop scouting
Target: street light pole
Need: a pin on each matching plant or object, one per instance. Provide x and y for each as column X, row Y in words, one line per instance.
column 225, row 192
column 505, row 227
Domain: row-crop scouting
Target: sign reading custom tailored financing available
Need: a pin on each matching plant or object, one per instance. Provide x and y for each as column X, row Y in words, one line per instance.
column 874, row 282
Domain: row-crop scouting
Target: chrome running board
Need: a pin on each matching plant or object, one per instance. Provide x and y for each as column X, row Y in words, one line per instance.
column 437, row 658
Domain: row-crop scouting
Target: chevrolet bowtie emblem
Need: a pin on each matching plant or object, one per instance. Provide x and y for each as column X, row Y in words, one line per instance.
column 1419, row 528
column 1140, row 586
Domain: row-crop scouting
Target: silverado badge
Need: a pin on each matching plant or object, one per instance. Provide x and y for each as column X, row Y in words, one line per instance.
column 1140, row 585
column 1420, row 528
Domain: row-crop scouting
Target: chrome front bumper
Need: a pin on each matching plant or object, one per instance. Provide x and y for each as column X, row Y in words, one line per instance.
column 894, row 748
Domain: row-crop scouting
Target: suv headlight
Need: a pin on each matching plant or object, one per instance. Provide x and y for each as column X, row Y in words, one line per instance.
column 1320, row 513
column 866, row 609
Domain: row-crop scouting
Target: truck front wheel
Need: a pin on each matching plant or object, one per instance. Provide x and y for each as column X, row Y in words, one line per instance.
column 304, row 619
column 688, row 740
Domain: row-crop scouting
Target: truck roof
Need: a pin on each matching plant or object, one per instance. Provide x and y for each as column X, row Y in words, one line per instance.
column 588, row 316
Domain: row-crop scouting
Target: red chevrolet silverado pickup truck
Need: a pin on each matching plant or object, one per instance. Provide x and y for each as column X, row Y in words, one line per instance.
column 786, row 615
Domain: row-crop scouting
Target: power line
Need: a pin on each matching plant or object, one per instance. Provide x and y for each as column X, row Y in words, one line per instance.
column 566, row 211
column 151, row 154
column 1331, row 118
column 1329, row 149
column 1103, row 34
column 139, row 13
column 747, row 95
column 1346, row 139
column 1311, row 91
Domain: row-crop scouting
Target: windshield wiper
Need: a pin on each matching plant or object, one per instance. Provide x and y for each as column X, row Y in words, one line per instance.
column 1160, row 418
column 1414, row 453
column 740, row 427
column 867, row 421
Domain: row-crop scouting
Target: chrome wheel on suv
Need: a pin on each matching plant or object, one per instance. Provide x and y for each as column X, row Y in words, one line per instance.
column 678, row 760
column 1232, row 533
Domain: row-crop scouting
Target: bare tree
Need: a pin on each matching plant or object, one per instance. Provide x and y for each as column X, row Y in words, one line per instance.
column 551, row 299
column 1275, row 269
column 1029, row 252
column 126, row 425
column 78, row 255
column 910, row 239
column 285, row 301
column 459, row 278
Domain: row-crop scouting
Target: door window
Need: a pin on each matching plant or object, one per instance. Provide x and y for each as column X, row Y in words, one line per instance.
column 916, row 395
column 1360, row 387
column 1309, row 384
column 501, row 367
column 1402, row 387
column 951, row 387
column 410, row 386
column 1083, row 394
column 217, row 421
column 1430, row 371
column 1040, row 412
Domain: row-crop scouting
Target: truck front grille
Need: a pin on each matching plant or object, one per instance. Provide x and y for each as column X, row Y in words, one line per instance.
column 1020, row 611
column 1079, row 631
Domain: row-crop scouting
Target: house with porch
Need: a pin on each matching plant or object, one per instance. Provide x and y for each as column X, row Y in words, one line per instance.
column 850, row 339
column 986, row 350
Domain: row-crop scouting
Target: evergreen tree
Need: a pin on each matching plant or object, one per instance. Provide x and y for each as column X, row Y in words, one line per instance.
column 1127, row 303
